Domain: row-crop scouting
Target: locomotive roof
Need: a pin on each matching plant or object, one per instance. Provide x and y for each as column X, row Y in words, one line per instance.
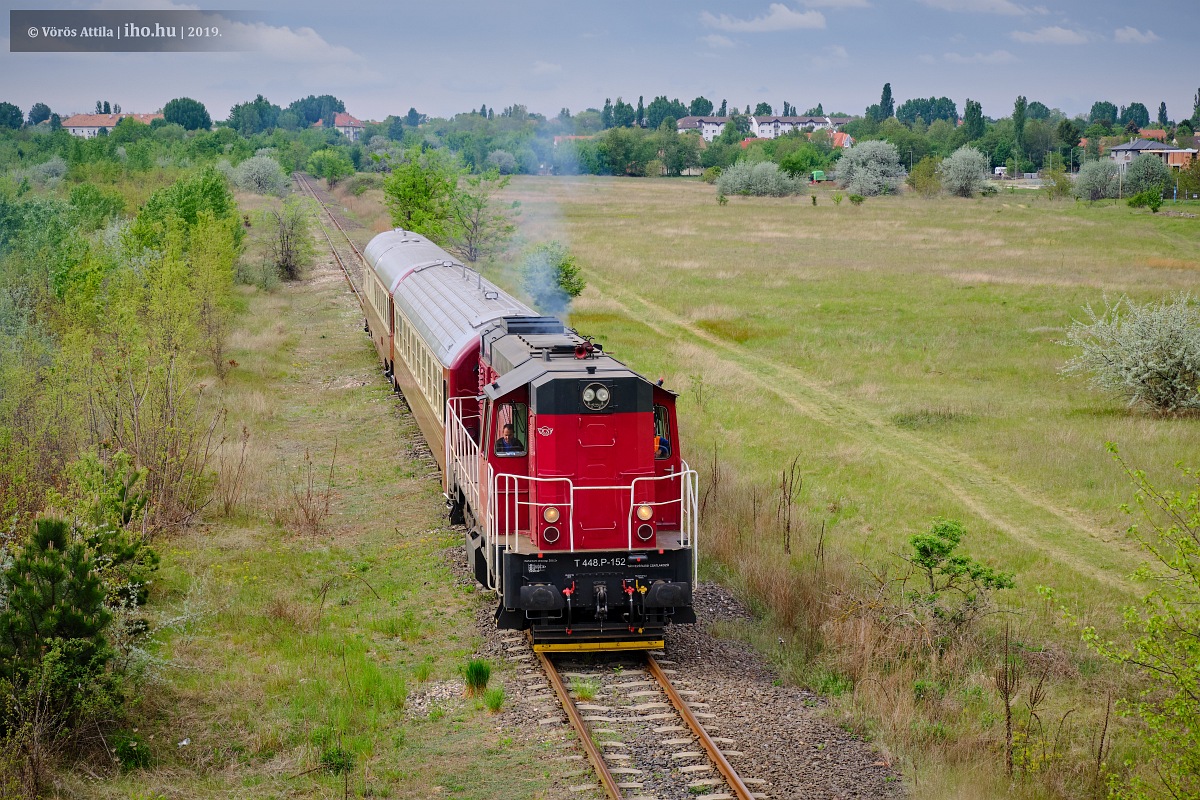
column 448, row 303
column 526, row 358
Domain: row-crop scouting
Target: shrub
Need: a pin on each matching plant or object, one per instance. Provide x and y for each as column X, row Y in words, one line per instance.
column 261, row 175
column 477, row 673
column 1150, row 198
column 1097, row 180
column 1058, row 184
column 965, row 172
column 924, row 177
column 1149, row 355
column 1164, row 646
column 494, row 699
column 856, row 199
column 871, row 168
column 503, row 162
column 1146, row 173
column 711, row 174
column 763, row 179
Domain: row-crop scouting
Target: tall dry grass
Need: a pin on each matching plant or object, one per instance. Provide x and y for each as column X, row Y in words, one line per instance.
column 925, row 688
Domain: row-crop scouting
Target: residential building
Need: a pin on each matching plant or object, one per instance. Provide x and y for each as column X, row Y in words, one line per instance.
column 350, row 127
column 88, row 125
column 772, row 127
column 1172, row 156
column 709, row 128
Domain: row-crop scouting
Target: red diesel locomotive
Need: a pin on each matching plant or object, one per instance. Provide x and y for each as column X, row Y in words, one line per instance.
column 562, row 463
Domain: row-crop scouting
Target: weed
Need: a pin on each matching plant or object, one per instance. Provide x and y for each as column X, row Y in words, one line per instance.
column 312, row 503
column 832, row 684
column 130, row 750
column 585, row 688
column 494, row 699
column 477, row 673
column 423, row 671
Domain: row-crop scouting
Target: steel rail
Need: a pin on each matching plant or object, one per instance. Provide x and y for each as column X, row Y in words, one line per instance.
column 607, row 781
column 740, row 790
column 329, row 240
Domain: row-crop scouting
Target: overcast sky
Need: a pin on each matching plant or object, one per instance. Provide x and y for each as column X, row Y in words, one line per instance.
column 448, row 56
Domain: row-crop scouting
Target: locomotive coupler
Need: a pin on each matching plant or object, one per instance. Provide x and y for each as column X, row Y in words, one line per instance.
column 601, row 597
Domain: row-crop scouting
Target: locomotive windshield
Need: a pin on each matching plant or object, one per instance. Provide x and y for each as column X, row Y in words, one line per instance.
column 512, row 422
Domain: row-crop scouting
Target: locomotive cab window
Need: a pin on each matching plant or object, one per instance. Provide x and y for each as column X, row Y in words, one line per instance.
column 662, row 432
column 512, row 422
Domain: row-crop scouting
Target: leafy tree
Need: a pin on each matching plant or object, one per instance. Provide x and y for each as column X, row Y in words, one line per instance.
column 92, row 207
column 395, row 128
column 1018, row 119
column 1097, row 180
column 412, row 119
column 254, row 116
column 1149, row 355
column 925, row 178
column 10, row 116
column 700, row 107
column 1146, row 173
column 552, row 278
column 623, row 114
column 965, row 172
column 973, row 126
column 956, row 587
column 420, row 192
column 107, row 108
column 723, row 113
column 1103, row 111
column 99, row 107
column 871, row 168
column 331, row 164
column 38, row 112
column 886, row 106
column 190, row 114
column 640, row 119
column 1135, row 114
column 503, row 161
column 763, row 110
column 801, row 162
column 606, row 115
column 1162, row 114
column 481, row 228
column 815, row 111
column 289, row 242
column 1038, row 110
column 660, row 108
column 55, row 122
column 933, row 108
column 1164, row 647
column 309, row 109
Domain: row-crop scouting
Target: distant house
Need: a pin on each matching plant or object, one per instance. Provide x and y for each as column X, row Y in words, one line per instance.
column 772, row 127
column 88, row 125
column 350, row 127
column 1155, row 134
column 1174, row 157
column 709, row 128
column 843, row 140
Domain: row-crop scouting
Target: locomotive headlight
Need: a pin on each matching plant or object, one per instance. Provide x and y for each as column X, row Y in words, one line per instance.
column 644, row 513
column 551, row 514
column 596, row 396
column 589, row 395
column 602, row 394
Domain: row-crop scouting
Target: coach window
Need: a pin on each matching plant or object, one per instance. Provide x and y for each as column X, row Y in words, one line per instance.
column 511, row 442
column 662, row 432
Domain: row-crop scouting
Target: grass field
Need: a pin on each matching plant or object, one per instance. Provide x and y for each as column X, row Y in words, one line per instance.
column 282, row 646
column 908, row 350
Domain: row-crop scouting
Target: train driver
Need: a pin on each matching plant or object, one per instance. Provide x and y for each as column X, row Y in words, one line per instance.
column 508, row 444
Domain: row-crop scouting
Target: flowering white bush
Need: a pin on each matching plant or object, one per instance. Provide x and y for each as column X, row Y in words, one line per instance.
column 965, row 172
column 871, row 168
column 763, row 179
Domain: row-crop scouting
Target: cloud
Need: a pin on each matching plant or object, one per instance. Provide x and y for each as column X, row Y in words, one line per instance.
column 829, row 57
column 1053, row 34
column 994, row 57
column 778, row 18
column 1128, row 35
column 836, row 3
column 981, row 6
column 717, row 41
column 546, row 68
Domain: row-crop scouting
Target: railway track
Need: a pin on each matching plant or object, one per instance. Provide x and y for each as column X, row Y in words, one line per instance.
column 646, row 738
column 344, row 250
